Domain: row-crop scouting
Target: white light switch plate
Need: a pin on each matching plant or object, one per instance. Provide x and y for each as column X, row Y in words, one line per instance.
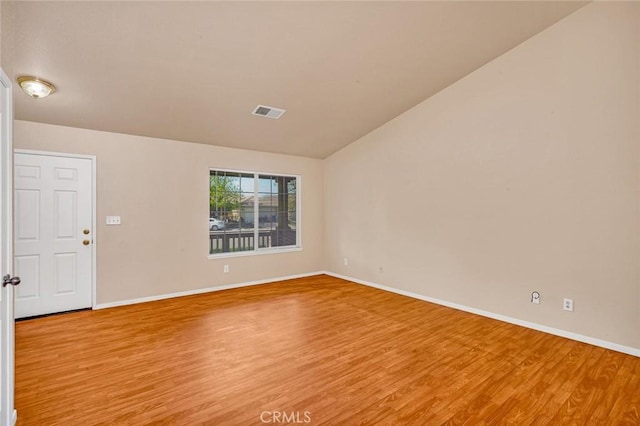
column 113, row 220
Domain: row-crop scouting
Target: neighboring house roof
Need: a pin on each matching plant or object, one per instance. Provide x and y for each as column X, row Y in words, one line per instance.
column 264, row 200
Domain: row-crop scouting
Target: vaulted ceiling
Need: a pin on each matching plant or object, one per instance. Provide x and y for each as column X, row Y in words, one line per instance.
column 194, row 71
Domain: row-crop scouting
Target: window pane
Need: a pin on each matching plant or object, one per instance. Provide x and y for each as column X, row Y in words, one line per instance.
column 283, row 237
column 223, row 194
column 226, row 201
column 247, row 183
column 267, row 207
column 292, row 219
column 277, row 210
column 233, row 220
column 264, row 238
column 246, row 215
column 267, row 184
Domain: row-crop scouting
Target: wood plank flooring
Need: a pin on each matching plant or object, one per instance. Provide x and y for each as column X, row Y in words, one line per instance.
column 319, row 349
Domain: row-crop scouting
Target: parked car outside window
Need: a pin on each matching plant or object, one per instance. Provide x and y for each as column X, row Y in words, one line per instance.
column 215, row 224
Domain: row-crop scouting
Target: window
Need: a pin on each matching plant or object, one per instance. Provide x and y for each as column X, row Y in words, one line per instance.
column 252, row 212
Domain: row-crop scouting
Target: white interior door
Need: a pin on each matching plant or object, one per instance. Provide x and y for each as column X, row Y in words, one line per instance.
column 53, row 233
column 7, row 413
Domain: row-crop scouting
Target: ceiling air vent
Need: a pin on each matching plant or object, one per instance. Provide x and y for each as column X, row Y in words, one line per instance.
column 269, row 112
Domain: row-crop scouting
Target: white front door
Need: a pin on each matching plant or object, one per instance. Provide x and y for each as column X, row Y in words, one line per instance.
column 7, row 413
column 53, row 233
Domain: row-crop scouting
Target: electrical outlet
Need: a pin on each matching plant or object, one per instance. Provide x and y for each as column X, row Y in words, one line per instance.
column 535, row 297
column 567, row 304
column 225, row 268
column 346, row 262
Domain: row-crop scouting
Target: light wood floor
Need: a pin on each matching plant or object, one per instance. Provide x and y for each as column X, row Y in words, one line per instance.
column 344, row 353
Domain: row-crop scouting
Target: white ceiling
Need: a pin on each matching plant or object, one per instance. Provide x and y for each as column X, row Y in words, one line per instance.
column 194, row 71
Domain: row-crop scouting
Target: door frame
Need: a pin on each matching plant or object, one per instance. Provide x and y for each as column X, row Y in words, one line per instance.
column 94, row 223
column 7, row 387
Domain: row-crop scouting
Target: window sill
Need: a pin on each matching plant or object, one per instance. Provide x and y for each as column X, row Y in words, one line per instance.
column 254, row 252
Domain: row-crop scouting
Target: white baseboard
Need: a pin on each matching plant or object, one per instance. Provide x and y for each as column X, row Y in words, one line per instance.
column 200, row 291
column 14, row 418
column 555, row 331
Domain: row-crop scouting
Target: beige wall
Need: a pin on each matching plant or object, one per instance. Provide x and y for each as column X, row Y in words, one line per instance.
column 160, row 188
column 522, row 176
column 7, row 28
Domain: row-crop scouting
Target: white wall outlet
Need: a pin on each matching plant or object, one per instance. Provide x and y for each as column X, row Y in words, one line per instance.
column 535, row 297
column 225, row 268
column 567, row 304
column 346, row 261
column 113, row 220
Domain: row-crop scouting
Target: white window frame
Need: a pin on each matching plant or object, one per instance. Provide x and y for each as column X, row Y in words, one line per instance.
column 256, row 214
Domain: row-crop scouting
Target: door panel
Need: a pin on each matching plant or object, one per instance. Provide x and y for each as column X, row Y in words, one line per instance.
column 65, row 267
column 65, row 215
column 27, row 226
column 54, row 207
column 30, row 268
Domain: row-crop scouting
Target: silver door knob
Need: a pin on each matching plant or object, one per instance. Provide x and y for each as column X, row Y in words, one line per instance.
column 7, row 279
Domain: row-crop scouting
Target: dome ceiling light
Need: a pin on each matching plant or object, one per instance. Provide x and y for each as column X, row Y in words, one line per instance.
column 36, row 87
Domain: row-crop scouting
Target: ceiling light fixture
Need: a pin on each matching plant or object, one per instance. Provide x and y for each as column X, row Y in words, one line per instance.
column 35, row 87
